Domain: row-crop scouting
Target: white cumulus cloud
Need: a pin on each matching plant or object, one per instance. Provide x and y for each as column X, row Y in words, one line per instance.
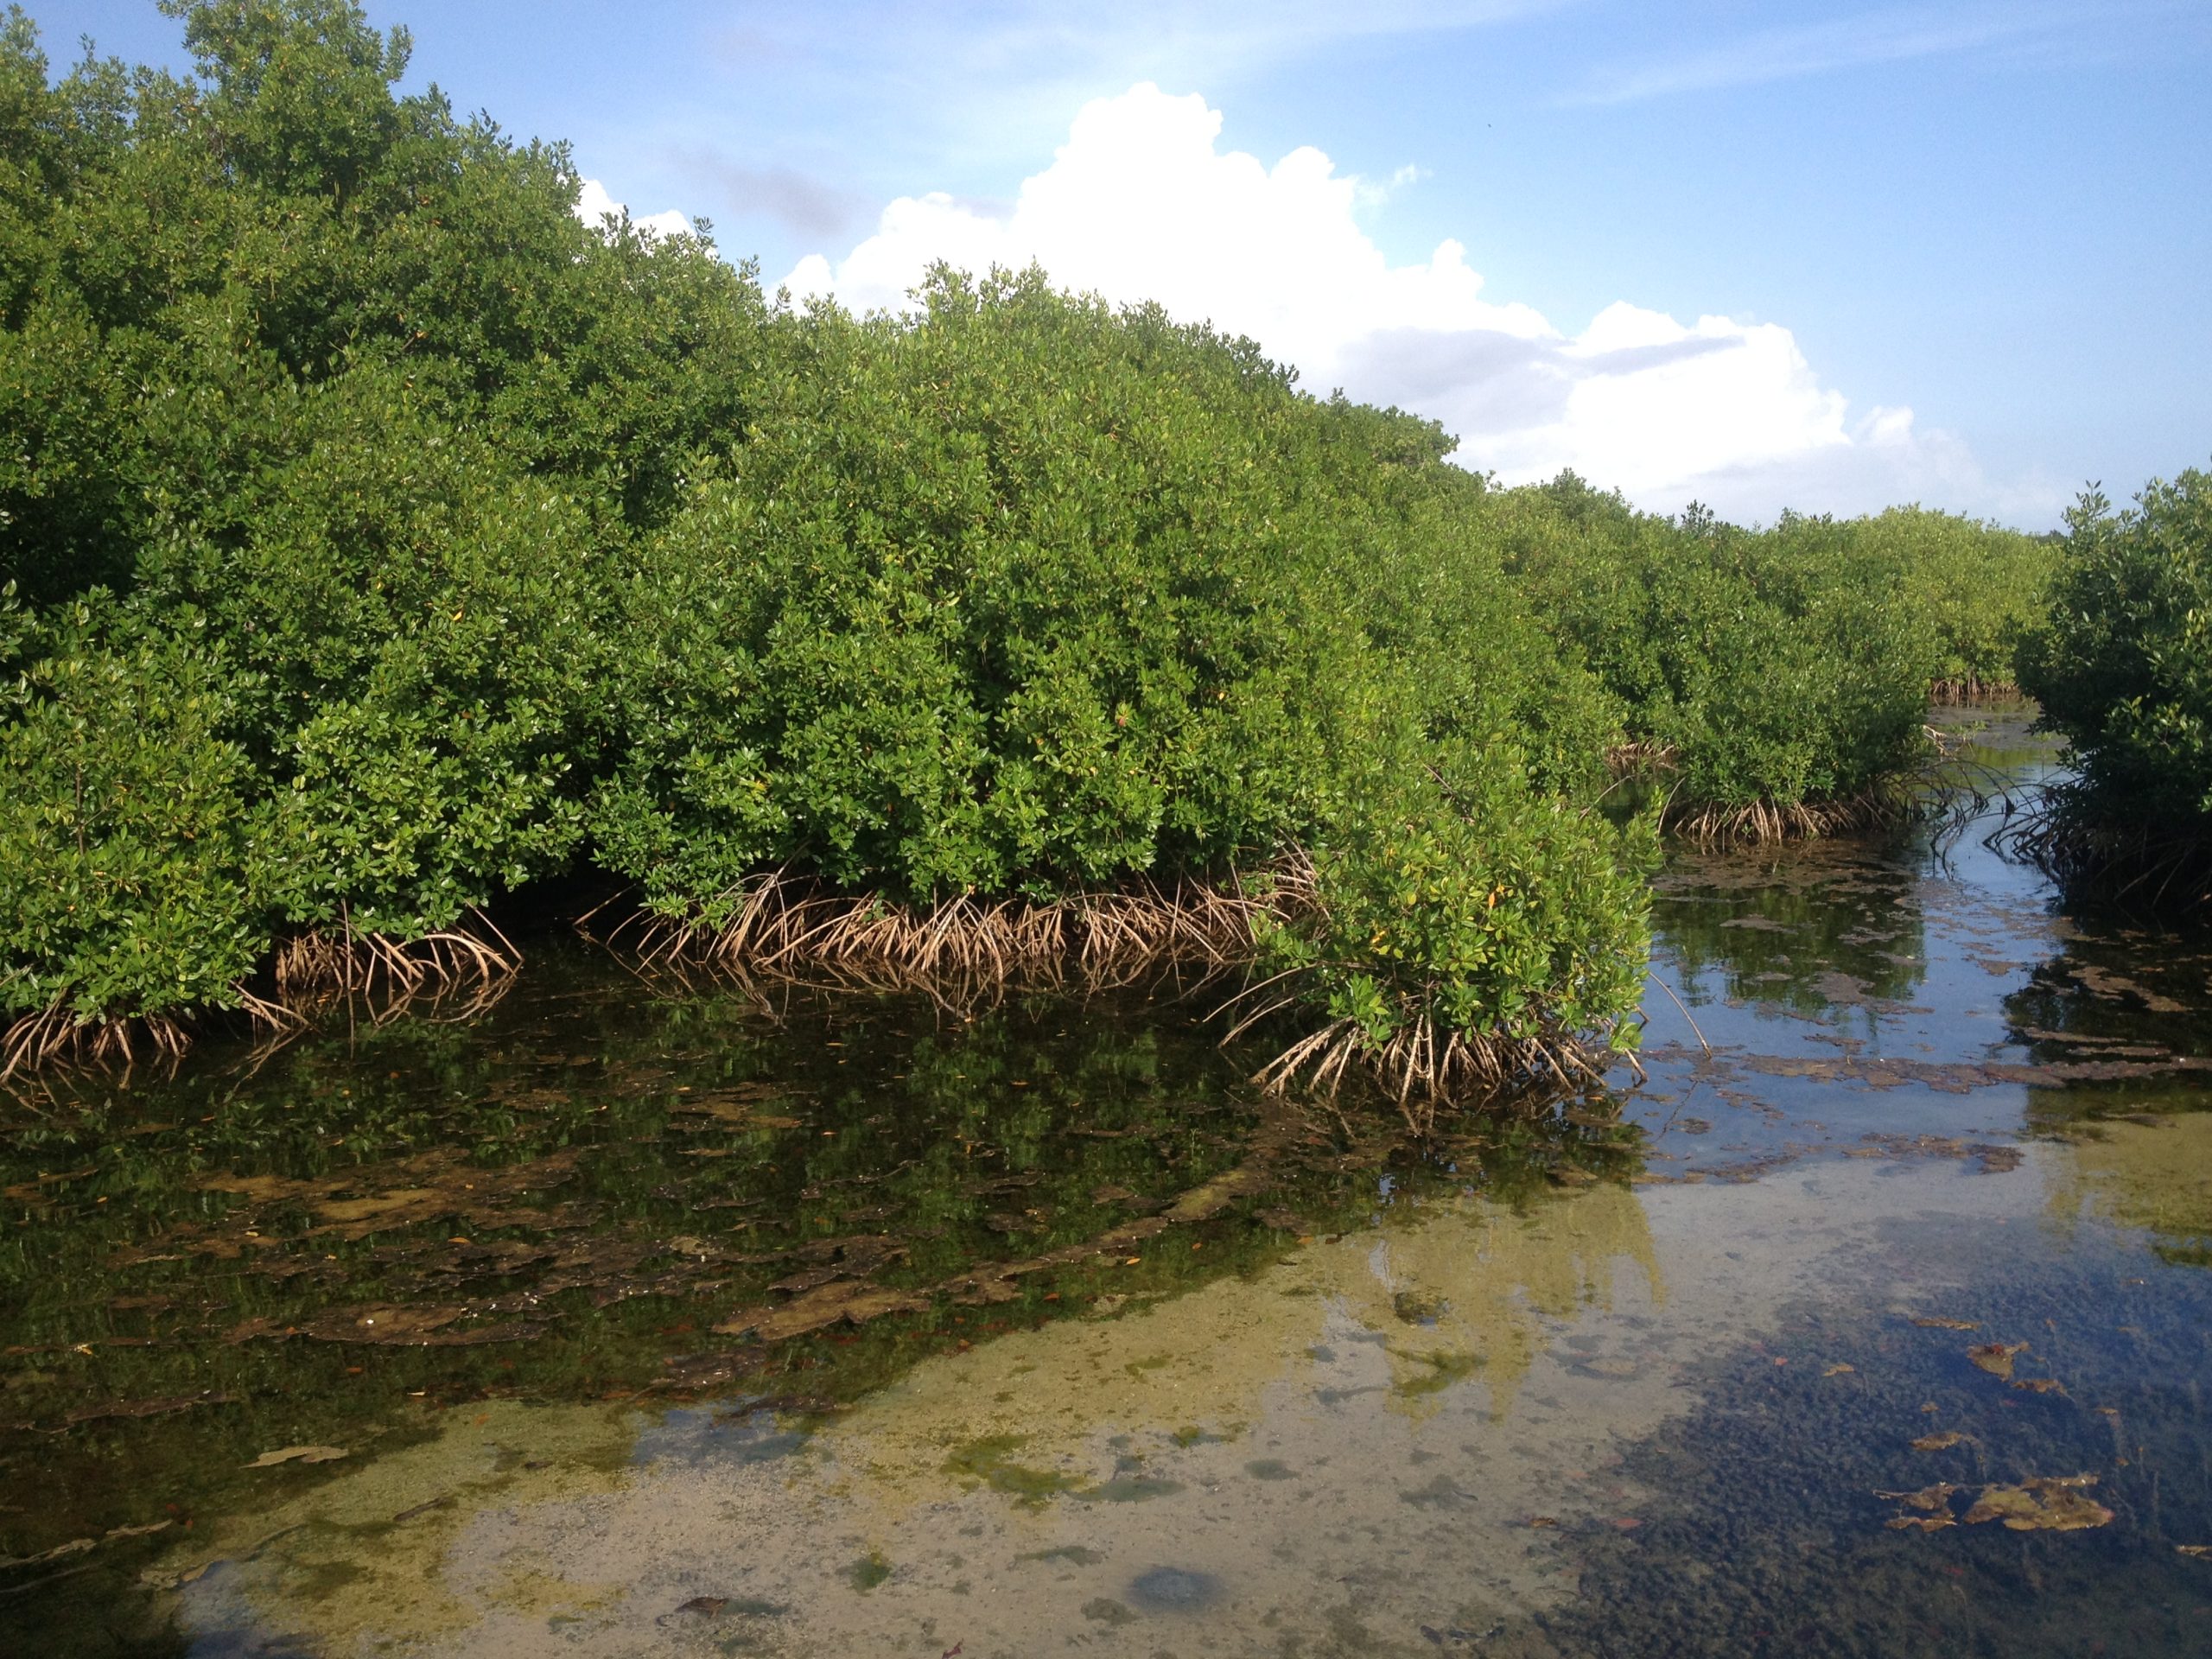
column 1141, row 203
column 594, row 203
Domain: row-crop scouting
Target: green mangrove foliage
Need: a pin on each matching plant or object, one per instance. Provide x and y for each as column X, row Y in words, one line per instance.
column 1775, row 681
column 126, row 851
column 384, row 542
column 2123, row 669
column 329, row 421
column 1979, row 588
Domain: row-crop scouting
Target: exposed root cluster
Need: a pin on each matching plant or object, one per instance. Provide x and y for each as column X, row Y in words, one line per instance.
column 1971, row 689
column 461, row 970
column 2155, row 866
column 1644, row 757
column 57, row 1035
column 1424, row 1070
column 1712, row 825
column 790, row 927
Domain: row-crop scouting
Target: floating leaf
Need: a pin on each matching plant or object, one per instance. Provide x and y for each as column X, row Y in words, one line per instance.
column 2045, row 1503
column 298, row 1454
column 1943, row 1441
column 1996, row 1357
column 2039, row 1384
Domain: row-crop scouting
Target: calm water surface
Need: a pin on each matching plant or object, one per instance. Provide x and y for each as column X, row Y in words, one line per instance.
column 621, row 1319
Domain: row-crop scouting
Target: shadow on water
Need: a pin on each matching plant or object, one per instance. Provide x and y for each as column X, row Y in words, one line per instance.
column 590, row 1194
column 619, row 1322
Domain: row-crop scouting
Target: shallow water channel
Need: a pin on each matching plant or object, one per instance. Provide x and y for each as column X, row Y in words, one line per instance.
column 618, row 1319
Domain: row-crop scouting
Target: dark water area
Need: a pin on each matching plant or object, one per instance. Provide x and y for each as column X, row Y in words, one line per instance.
column 626, row 1318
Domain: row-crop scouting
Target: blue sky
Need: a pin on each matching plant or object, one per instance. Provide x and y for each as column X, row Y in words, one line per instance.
column 1951, row 253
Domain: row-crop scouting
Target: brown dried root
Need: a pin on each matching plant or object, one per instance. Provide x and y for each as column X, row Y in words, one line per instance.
column 792, row 927
column 1425, row 1075
column 57, row 1036
column 1879, row 806
column 461, row 970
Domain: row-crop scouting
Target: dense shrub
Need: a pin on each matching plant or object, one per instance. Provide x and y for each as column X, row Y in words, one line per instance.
column 397, row 540
column 1775, row 668
column 1979, row 587
column 357, row 418
column 2123, row 669
column 128, row 878
column 1021, row 597
column 1034, row 597
column 386, row 541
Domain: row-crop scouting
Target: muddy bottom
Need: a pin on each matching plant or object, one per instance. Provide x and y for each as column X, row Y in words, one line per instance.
column 615, row 1320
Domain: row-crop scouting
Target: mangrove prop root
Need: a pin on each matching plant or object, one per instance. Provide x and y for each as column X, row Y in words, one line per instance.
column 1880, row 806
column 58, row 1036
column 1973, row 689
column 1644, row 756
column 461, row 972
column 2147, row 865
column 1425, row 1070
column 320, row 966
column 789, row 927
column 1714, row 825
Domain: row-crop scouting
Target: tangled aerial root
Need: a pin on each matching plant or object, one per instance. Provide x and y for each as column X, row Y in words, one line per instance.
column 1880, row 806
column 791, row 928
column 460, row 971
column 58, row 1036
column 1425, row 1075
column 2151, row 866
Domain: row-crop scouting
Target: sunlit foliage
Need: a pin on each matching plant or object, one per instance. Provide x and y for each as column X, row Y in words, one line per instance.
column 386, row 541
column 2123, row 669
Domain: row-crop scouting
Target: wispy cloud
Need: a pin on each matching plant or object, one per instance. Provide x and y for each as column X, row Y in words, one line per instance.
column 1841, row 44
column 998, row 77
column 811, row 205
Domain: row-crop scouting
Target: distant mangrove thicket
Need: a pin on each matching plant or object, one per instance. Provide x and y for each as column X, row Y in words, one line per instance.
column 2123, row 669
column 383, row 542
